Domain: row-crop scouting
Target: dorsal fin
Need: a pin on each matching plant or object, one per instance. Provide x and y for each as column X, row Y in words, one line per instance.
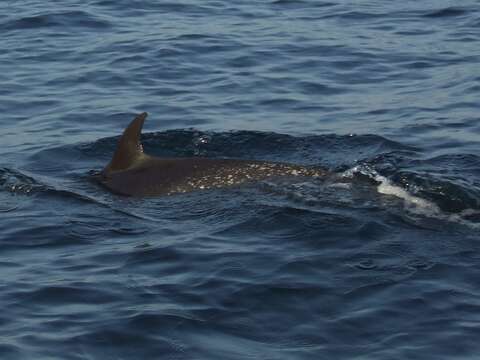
column 129, row 148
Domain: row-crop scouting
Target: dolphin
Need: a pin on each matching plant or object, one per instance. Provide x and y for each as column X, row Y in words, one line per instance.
column 132, row 172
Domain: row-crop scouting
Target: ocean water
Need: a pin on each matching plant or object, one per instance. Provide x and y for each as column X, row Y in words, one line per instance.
column 384, row 264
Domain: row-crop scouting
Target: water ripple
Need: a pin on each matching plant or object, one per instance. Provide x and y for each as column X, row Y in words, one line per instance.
column 447, row 12
column 61, row 20
column 379, row 260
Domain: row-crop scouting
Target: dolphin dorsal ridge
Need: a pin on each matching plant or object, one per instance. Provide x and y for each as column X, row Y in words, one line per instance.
column 129, row 149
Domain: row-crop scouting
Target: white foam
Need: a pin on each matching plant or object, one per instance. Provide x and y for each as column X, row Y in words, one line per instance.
column 412, row 203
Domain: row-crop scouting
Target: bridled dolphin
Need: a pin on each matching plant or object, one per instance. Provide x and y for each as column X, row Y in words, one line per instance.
column 132, row 172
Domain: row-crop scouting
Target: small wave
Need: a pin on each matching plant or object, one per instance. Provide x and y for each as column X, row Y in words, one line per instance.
column 164, row 6
column 8, row 208
column 464, row 163
column 414, row 204
column 310, row 87
column 302, row 3
column 356, row 16
column 447, row 12
column 15, row 182
column 289, row 2
column 63, row 20
column 386, row 187
column 9, row 351
column 61, row 294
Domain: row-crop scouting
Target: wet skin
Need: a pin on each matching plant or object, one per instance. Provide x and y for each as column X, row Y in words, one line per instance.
column 132, row 172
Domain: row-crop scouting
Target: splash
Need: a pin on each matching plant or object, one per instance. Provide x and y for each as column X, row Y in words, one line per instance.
column 16, row 182
column 413, row 204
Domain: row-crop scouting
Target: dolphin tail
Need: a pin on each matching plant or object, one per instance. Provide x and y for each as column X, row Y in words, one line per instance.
column 129, row 148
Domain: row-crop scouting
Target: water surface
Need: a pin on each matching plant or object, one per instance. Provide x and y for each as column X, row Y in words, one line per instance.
column 381, row 265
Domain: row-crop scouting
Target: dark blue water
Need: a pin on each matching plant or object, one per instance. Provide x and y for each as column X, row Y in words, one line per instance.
column 384, row 264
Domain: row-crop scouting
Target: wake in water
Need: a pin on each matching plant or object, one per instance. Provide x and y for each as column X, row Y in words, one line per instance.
column 380, row 263
column 414, row 204
column 388, row 170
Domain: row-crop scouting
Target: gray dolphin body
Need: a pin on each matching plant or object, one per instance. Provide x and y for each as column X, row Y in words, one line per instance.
column 132, row 172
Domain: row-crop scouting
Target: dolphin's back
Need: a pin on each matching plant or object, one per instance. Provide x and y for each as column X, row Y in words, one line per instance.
column 131, row 172
column 169, row 176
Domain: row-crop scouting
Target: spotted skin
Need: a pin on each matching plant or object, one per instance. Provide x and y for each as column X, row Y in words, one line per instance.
column 132, row 172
